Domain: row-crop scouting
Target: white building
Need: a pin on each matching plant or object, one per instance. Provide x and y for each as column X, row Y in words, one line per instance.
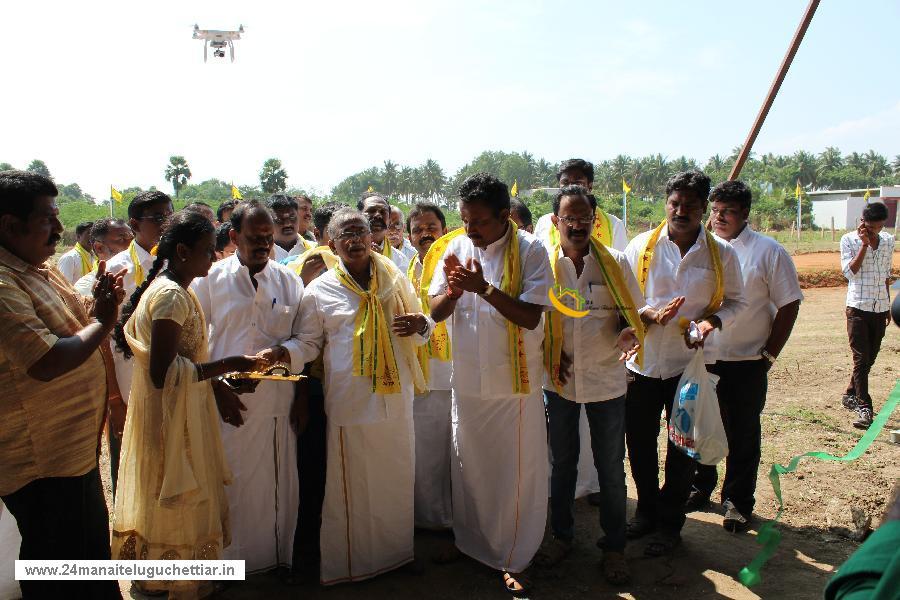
column 846, row 206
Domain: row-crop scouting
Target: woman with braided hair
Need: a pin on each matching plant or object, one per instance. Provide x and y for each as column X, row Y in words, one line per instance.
column 171, row 502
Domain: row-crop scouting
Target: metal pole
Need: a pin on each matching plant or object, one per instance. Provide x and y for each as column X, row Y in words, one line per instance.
column 773, row 90
column 625, row 209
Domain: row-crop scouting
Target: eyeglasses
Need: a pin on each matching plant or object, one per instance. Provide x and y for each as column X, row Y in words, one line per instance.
column 724, row 212
column 346, row 236
column 396, row 226
column 283, row 220
column 159, row 219
column 572, row 221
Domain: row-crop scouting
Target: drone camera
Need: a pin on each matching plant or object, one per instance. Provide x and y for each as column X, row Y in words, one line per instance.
column 219, row 53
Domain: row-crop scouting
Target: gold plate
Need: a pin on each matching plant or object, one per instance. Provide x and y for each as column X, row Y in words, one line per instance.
column 277, row 372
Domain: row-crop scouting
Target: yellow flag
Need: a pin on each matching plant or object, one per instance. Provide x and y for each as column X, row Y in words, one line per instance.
column 515, row 188
column 866, row 196
column 371, row 189
column 115, row 194
column 236, row 193
column 625, row 187
column 797, row 190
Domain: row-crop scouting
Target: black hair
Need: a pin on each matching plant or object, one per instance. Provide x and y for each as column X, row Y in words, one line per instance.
column 875, row 211
column 222, row 236
column 419, row 209
column 82, row 227
column 184, row 227
column 366, row 195
column 732, row 191
column 19, row 190
column 522, row 210
column 689, row 181
column 304, row 198
column 102, row 226
column 573, row 190
column 281, row 202
column 485, row 189
column 227, row 205
column 246, row 208
column 579, row 164
column 145, row 200
column 322, row 214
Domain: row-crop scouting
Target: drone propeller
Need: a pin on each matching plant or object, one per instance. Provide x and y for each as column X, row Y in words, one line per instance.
column 205, row 46
column 231, row 49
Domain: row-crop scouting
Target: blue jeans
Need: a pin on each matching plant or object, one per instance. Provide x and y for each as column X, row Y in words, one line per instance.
column 607, row 425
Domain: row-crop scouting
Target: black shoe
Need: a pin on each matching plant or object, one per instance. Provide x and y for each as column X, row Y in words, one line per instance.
column 696, row 501
column 863, row 417
column 735, row 521
column 639, row 526
column 595, row 499
column 849, row 401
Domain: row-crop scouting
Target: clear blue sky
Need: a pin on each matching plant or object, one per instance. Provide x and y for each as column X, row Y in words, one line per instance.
column 105, row 92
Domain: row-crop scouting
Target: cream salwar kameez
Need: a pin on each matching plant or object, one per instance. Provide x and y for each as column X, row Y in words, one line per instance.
column 171, row 502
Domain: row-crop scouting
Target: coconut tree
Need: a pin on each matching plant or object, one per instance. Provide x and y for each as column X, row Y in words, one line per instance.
column 177, row 173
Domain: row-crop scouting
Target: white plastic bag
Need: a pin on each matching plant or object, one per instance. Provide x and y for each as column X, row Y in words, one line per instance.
column 695, row 425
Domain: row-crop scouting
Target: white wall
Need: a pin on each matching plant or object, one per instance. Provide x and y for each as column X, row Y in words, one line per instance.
column 824, row 210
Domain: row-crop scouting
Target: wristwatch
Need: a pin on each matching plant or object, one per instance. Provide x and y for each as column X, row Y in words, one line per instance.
column 487, row 291
column 768, row 356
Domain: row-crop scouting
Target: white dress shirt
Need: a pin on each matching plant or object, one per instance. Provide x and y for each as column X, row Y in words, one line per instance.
column 69, row 264
column 122, row 260
column 244, row 320
column 597, row 373
column 620, row 236
column 692, row 276
column 770, row 282
column 867, row 289
column 481, row 360
column 327, row 314
column 399, row 258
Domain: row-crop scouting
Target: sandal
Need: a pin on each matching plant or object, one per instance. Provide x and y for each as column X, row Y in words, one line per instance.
column 615, row 569
column 553, row 553
column 639, row 526
column 516, row 583
column 662, row 544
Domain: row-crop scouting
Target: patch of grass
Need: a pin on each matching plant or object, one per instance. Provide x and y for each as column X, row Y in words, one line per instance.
column 808, row 415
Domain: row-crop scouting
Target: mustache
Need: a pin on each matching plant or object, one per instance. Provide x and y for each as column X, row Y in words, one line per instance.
column 424, row 239
column 378, row 221
column 53, row 239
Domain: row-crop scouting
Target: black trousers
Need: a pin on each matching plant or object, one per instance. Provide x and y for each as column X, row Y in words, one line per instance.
column 742, row 396
column 865, row 330
column 311, row 452
column 63, row 518
column 644, row 402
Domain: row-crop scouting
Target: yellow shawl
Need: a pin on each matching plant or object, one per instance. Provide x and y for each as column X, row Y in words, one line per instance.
column 324, row 252
column 438, row 345
column 87, row 261
column 374, row 356
column 618, row 289
column 646, row 258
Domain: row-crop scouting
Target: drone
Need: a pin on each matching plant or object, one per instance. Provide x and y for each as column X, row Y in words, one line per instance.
column 218, row 40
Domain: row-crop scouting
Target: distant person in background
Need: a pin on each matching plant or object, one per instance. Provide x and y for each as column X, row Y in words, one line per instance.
column 747, row 350
column 521, row 214
column 304, row 222
column 223, row 213
column 288, row 241
column 378, row 212
column 396, row 235
column 54, row 391
column 109, row 236
column 225, row 247
column 609, row 228
column 79, row 261
column 203, row 209
column 866, row 256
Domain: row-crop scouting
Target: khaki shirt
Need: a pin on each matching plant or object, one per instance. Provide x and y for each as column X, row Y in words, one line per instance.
column 49, row 429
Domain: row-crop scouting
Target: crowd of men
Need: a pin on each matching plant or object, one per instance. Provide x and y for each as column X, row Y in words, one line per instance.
column 443, row 390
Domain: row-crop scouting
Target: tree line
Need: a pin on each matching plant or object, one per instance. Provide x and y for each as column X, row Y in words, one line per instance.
column 772, row 177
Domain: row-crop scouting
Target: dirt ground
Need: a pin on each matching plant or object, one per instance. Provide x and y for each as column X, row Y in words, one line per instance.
column 803, row 413
column 815, row 261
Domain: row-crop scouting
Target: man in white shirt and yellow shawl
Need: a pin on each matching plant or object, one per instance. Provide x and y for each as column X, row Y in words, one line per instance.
column 432, row 408
column 252, row 303
column 378, row 211
column 363, row 314
column 682, row 269
column 494, row 281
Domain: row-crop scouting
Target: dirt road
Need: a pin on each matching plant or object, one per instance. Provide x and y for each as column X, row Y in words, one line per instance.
column 815, row 261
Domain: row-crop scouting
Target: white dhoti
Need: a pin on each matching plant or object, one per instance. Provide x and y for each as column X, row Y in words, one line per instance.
column 10, row 540
column 588, row 482
column 499, row 473
column 433, row 436
column 367, row 515
column 262, row 500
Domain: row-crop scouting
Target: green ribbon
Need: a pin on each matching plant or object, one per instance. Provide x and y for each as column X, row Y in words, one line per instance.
column 768, row 535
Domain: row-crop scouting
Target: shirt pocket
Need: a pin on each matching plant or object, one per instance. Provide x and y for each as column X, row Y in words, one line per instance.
column 281, row 320
column 700, row 283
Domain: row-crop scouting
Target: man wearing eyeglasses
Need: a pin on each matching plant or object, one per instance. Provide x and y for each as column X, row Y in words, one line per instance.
column 147, row 214
column 747, row 350
column 291, row 224
column 395, row 234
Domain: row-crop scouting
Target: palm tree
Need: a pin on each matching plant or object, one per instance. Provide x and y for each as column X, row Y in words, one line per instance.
column 876, row 165
column 895, row 166
column 389, row 178
column 405, row 183
column 39, row 167
column 273, row 177
column 804, row 167
column 433, row 178
column 830, row 160
column 177, row 173
column 855, row 160
column 715, row 163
